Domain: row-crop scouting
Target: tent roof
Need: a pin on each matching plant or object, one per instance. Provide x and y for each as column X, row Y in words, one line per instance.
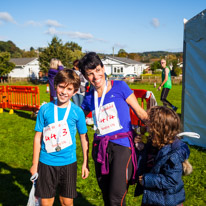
column 197, row 23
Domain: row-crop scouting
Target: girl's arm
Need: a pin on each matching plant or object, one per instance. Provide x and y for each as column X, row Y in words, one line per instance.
column 139, row 111
column 169, row 177
column 85, row 151
column 60, row 65
column 36, row 151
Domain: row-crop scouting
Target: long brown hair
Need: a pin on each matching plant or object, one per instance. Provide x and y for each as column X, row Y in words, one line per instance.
column 164, row 125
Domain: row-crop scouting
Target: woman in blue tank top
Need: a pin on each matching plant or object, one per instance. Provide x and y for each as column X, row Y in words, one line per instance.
column 113, row 149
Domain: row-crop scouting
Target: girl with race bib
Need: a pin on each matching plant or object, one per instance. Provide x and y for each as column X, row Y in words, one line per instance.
column 54, row 154
column 113, row 148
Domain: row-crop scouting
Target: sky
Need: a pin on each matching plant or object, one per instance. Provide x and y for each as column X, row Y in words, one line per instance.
column 104, row 26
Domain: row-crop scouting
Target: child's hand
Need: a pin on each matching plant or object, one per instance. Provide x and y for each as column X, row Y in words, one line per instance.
column 33, row 169
column 141, row 180
column 59, row 63
column 138, row 143
column 139, row 146
column 137, row 139
column 85, row 171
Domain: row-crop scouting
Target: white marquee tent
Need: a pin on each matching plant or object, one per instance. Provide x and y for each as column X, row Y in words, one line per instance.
column 194, row 79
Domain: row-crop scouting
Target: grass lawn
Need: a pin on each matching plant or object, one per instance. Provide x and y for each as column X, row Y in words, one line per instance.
column 16, row 148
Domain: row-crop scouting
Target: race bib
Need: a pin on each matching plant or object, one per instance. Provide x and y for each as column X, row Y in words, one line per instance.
column 56, row 130
column 108, row 119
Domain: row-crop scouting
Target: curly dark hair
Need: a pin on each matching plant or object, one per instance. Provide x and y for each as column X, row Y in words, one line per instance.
column 164, row 125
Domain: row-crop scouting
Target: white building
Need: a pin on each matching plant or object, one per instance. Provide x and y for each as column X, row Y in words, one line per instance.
column 25, row 68
column 121, row 65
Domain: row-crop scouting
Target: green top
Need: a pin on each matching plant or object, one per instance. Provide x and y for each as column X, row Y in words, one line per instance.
column 168, row 83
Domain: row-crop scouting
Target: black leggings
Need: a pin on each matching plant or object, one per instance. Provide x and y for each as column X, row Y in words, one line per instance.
column 114, row 186
column 163, row 98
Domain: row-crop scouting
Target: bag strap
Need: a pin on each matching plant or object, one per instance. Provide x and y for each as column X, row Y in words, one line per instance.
column 34, row 177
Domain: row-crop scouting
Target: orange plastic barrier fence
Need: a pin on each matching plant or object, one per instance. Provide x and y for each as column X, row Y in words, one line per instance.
column 140, row 94
column 3, row 100
column 20, row 98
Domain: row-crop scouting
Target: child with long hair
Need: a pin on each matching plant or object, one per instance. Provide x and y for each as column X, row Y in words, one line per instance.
column 55, row 67
column 163, row 184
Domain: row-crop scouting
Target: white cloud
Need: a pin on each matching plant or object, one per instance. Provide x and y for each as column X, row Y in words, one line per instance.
column 33, row 23
column 79, row 35
column 6, row 17
column 74, row 35
column 155, row 22
column 52, row 31
column 53, row 23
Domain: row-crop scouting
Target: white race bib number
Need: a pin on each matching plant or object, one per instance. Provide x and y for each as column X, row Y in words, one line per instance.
column 108, row 119
column 51, row 132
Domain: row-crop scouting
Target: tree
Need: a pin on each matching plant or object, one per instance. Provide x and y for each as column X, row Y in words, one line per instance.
column 54, row 50
column 10, row 47
column 73, row 51
column 122, row 53
column 30, row 53
column 67, row 53
column 31, row 48
column 5, row 66
column 179, row 56
column 177, row 71
column 134, row 56
column 156, row 65
column 173, row 65
column 73, row 46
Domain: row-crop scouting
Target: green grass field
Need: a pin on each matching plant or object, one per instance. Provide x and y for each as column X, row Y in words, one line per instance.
column 16, row 148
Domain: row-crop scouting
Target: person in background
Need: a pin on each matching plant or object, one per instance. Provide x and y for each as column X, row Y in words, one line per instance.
column 55, row 67
column 113, row 146
column 79, row 96
column 54, row 153
column 163, row 184
column 166, row 84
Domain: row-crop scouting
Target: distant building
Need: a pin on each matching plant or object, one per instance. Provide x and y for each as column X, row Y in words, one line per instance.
column 122, row 65
column 148, row 68
column 25, row 68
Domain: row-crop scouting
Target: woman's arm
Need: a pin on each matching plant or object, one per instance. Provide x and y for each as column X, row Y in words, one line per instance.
column 133, row 103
